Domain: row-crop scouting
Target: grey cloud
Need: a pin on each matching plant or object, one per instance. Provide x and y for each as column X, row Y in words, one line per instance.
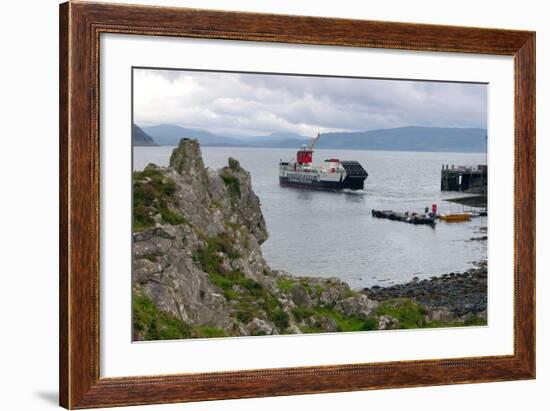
column 240, row 103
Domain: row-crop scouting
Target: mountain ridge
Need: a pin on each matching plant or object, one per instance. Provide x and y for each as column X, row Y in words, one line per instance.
column 407, row 138
column 141, row 138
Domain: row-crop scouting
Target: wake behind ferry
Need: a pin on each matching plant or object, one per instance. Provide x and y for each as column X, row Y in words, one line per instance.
column 332, row 174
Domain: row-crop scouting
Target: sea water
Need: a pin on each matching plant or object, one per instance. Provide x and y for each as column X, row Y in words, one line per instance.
column 333, row 234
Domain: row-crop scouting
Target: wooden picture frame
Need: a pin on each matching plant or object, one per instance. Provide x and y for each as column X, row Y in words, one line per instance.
column 80, row 27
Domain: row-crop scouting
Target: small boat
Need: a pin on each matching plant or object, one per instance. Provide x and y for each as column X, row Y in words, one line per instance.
column 455, row 217
column 412, row 218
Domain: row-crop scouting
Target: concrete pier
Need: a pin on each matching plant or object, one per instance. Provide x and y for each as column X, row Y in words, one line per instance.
column 466, row 179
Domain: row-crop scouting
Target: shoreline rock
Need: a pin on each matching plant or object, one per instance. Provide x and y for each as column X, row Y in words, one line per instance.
column 452, row 295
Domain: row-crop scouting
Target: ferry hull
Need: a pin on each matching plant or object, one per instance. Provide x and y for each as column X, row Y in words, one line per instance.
column 350, row 183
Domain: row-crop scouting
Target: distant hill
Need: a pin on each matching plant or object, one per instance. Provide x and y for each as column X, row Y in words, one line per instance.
column 140, row 138
column 409, row 139
column 279, row 139
column 413, row 138
column 170, row 135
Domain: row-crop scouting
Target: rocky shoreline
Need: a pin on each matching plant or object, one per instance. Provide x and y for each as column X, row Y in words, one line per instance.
column 450, row 296
column 199, row 272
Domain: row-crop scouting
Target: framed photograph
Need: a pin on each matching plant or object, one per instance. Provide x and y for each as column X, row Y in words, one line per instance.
column 259, row 205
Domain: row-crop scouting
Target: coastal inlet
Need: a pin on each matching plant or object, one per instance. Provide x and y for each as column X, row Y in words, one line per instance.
column 198, row 269
column 333, row 234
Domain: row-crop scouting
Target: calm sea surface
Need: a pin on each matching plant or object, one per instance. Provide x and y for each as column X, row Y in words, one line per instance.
column 334, row 235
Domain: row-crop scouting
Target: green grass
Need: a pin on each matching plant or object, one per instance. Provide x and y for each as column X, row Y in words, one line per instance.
column 442, row 324
column 203, row 331
column 208, row 255
column 150, row 323
column 211, row 262
column 409, row 313
column 306, row 286
column 210, row 258
column 318, row 291
column 152, row 194
column 144, row 196
column 170, row 216
column 311, row 330
column 253, row 300
column 348, row 323
column 285, row 284
column 141, row 224
column 301, row 313
column 228, row 280
column 343, row 323
column 474, row 320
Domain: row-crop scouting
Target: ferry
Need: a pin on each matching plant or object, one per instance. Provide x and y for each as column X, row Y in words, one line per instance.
column 332, row 174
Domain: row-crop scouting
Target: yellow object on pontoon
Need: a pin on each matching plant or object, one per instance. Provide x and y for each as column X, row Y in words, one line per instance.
column 455, row 218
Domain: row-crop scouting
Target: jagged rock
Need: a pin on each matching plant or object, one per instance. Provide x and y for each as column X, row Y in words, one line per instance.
column 185, row 291
column 456, row 295
column 234, row 164
column 145, row 270
column 357, row 305
column 385, row 322
column 260, row 327
column 165, row 265
column 328, row 324
column 442, row 314
column 187, row 158
column 300, row 297
column 245, row 203
column 153, row 245
column 218, row 192
column 333, row 290
column 293, row 329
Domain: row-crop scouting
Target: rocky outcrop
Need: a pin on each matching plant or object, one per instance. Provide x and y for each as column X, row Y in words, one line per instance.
column 198, row 269
column 197, row 226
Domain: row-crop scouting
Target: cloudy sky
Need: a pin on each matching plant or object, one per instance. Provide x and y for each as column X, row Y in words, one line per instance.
column 259, row 104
